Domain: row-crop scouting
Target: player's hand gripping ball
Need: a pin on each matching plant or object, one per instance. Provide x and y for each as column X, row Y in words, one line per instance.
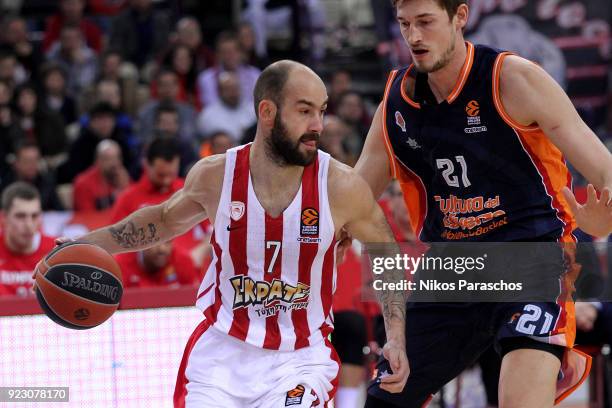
column 78, row 285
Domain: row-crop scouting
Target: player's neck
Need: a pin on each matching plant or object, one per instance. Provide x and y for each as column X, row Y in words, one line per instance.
column 270, row 173
column 443, row 81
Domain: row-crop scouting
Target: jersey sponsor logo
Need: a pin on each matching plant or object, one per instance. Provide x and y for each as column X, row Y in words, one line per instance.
column 475, row 129
column 294, row 396
column 236, row 210
column 399, row 121
column 309, row 222
column 274, row 296
column 454, row 208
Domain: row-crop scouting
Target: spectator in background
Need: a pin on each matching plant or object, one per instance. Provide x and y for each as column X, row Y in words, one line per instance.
column 167, row 126
column 76, row 59
column 158, row 182
column 231, row 113
column 181, row 61
column 332, row 140
column 22, row 244
column 220, row 142
column 97, row 187
column 54, row 96
column 9, row 127
column 216, row 143
column 229, row 59
column 102, row 126
column 110, row 65
column 189, row 34
column 167, row 91
column 340, row 82
column 71, row 13
column 246, row 37
column 109, row 91
column 15, row 35
column 10, row 70
column 351, row 109
column 162, row 265
column 140, row 32
column 38, row 125
column 26, row 166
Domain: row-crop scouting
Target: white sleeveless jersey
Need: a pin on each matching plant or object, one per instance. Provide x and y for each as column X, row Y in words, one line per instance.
column 271, row 280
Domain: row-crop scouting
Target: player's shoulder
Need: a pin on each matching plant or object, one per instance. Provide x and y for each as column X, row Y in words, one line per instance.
column 206, row 175
column 345, row 183
column 518, row 73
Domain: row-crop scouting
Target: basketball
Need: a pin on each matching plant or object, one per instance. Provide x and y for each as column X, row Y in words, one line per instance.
column 79, row 285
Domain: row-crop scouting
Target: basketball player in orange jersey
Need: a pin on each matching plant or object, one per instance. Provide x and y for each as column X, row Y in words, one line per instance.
column 277, row 206
column 466, row 123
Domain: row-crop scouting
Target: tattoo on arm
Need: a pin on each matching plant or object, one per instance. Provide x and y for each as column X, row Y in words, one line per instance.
column 393, row 302
column 128, row 235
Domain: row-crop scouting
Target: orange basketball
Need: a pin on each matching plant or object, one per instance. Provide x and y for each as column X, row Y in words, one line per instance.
column 79, row 285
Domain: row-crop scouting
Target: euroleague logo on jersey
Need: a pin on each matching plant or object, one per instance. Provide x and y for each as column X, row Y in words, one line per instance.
column 309, row 221
column 472, row 108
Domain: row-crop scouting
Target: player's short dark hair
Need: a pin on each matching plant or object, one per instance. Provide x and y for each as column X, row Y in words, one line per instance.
column 165, row 148
column 165, row 107
column 450, row 6
column 18, row 189
column 271, row 83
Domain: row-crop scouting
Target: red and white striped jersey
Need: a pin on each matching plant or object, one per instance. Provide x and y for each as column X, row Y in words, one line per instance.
column 271, row 280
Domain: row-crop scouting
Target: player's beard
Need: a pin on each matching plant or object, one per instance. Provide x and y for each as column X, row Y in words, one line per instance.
column 283, row 150
column 444, row 59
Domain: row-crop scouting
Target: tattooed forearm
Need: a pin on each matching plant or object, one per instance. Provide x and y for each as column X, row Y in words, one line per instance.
column 129, row 236
column 393, row 302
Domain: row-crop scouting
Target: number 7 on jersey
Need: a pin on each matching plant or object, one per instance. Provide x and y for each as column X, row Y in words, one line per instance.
column 277, row 246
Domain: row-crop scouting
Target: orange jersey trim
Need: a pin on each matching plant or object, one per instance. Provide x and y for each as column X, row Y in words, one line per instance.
column 385, row 135
column 461, row 80
column 549, row 162
column 497, row 97
column 464, row 73
column 412, row 186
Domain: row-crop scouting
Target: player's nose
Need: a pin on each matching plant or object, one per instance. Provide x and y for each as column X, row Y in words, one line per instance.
column 316, row 124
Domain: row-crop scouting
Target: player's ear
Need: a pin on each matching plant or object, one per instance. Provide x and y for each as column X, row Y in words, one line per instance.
column 267, row 112
column 461, row 16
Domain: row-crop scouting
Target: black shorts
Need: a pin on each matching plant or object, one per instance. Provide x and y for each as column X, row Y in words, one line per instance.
column 442, row 340
column 349, row 337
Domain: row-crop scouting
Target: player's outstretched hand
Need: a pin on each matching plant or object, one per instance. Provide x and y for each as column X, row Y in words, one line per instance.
column 58, row 241
column 595, row 216
column 395, row 354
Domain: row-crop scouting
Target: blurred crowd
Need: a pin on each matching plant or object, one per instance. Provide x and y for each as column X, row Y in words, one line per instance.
column 105, row 106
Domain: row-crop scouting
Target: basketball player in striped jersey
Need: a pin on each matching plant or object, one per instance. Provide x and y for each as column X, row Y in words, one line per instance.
column 277, row 206
column 467, row 124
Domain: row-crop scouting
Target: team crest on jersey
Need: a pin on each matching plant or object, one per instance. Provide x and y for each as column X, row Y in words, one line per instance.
column 236, row 210
column 399, row 121
column 273, row 296
column 309, row 222
column 294, row 396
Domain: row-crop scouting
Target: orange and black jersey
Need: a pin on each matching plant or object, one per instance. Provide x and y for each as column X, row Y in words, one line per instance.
column 468, row 171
